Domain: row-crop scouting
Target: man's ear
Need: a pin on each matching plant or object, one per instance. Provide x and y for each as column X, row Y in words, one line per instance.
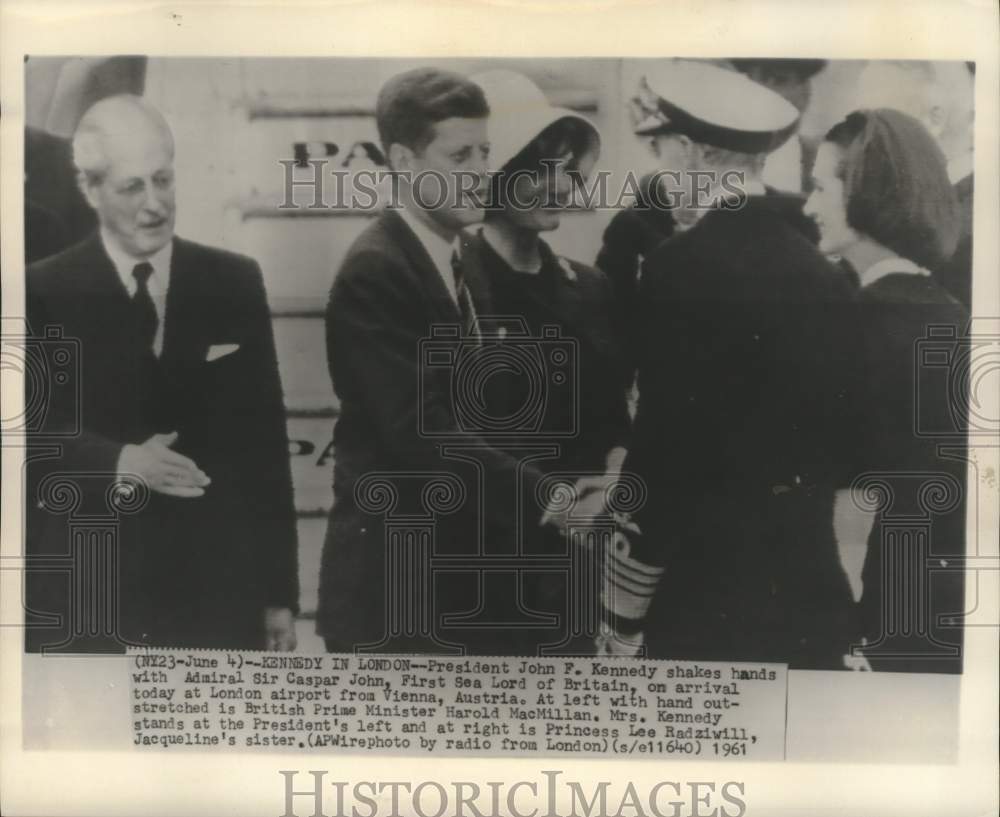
column 86, row 188
column 401, row 157
column 689, row 149
column 937, row 118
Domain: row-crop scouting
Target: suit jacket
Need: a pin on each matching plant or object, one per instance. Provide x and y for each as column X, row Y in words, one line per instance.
column 195, row 572
column 55, row 212
column 740, row 384
column 396, row 412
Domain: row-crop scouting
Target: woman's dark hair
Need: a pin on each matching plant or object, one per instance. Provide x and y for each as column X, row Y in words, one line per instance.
column 896, row 186
column 562, row 136
column 411, row 103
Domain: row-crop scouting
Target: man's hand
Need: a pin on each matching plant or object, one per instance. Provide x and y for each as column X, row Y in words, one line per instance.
column 857, row 663
column 590, row 496
column 165, row 471
column 279, row 629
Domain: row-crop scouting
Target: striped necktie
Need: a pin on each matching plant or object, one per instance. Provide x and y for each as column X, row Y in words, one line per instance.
column 464, row 298
column 144, row 311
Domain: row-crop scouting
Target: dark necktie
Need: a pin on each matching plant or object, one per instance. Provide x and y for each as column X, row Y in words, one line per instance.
column 463, row 297
column 143, row 309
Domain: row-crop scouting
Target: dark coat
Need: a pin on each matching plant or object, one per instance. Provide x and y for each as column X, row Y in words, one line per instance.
column 740, row 385
column 56, row 215
column 396, row 411
column 195, row 572
column 574, row 303
column 577, row 300
column 631, row 235
column 903, row 412
column 634, row 233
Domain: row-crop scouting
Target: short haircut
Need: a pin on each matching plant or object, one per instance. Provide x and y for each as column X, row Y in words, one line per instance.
column 119, row 116
column 411, row 103
column 896, row 186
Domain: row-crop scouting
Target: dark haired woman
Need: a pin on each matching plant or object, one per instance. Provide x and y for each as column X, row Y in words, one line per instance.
column 537, row 148
column 883, row 203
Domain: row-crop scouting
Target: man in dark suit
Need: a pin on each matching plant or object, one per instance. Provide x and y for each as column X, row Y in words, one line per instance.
column 401, row 279
column 55, row 213
column 737, row 384
column 179, row 391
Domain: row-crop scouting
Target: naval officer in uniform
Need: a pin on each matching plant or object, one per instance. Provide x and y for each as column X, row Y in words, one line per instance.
column 739, row 393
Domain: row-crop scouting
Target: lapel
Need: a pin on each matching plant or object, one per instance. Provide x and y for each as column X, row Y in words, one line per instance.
column 98, row 279
column 185, row 329
column 443, row 305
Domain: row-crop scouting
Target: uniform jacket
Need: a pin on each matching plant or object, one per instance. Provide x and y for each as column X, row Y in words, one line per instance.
column 195, row 572
column 573, row 304
column 741, row 381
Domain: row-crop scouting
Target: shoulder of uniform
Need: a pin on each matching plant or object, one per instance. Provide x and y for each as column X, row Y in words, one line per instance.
column 579, row 272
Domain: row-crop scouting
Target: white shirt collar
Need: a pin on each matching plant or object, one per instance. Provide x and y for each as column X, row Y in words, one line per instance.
column 438, row 249
column 960, row 167
column 125, row 263
column 888, row 266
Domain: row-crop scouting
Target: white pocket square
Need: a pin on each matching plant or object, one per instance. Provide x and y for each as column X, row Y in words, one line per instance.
column 220, row 350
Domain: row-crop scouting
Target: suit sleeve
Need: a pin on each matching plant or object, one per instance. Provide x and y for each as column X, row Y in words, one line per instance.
column 272, row 502
column 373, row 344
column 620, row 423
column 82, row 450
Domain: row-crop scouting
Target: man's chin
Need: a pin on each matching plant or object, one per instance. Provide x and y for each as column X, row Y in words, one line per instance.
column 151, row 244
column 468, row 216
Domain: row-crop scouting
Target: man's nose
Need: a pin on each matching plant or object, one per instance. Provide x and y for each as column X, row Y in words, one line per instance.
column 480, row 165
column 564, row 182
column 155, row 201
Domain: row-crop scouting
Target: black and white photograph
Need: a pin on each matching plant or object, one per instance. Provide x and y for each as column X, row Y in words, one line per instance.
column 540, row 407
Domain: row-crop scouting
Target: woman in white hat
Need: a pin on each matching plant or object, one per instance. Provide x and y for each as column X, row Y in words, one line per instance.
column 535, row 151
